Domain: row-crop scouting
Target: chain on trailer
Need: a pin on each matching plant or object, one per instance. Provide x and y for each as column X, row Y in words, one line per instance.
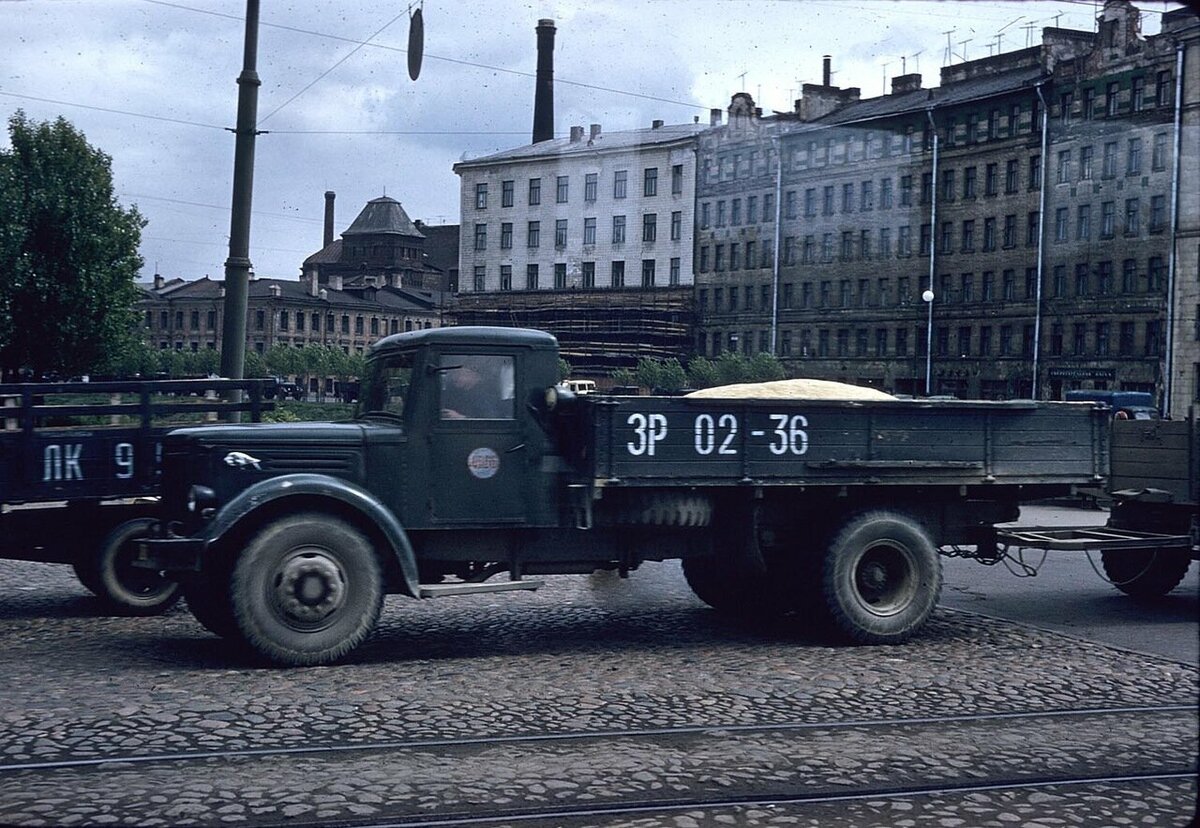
column 1024, row 569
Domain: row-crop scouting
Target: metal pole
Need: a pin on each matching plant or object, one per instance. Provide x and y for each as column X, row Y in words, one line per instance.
column 237, row 266
column 1169, row 367
column 775, row 257
column 929, row 292
column 1037, row 317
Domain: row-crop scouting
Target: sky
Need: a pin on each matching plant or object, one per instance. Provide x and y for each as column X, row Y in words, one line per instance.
column 153, row 84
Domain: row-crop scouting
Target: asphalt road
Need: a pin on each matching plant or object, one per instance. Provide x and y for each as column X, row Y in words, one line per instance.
column 1067, row 595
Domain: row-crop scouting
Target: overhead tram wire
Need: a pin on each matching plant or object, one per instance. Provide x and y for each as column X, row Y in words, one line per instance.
column 428, row 56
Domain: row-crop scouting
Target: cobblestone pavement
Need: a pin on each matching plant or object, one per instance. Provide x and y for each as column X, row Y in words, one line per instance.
column 584, row 655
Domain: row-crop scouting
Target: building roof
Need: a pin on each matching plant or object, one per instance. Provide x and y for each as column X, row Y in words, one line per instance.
column 604, row 142
column 383, row 216
column 207, row 289
column 441, row 245
column 329, row 254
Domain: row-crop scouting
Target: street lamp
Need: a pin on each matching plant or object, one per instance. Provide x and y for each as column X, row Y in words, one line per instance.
column 927, row 298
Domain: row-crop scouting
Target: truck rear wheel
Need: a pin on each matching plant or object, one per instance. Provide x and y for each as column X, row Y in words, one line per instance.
column 1145, row 573
column 881, row 578
column 731, row 590
column 121, row 586
column 307, row 590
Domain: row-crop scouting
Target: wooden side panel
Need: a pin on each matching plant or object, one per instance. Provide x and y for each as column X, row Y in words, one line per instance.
column 1156, row 454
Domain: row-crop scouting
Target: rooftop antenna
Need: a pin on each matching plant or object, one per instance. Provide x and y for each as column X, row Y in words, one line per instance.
column 742, row 82
column 885, row 66
column 917, row 57
column 963, row 44
column 1029, row 27
column 948, row 55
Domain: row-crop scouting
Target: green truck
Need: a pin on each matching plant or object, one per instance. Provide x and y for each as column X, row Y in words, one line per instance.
column 466, row 469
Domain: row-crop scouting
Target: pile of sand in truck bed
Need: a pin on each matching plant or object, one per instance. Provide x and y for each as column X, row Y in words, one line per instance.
column 792, row 389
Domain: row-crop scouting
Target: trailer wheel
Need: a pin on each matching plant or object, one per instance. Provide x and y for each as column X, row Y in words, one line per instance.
column 881, row 578
column 121, row 586
column 732, row 591
column 1145, row 573
column 307, row 590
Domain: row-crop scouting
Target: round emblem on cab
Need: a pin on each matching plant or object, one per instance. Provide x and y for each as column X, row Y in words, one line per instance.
column 483, row 463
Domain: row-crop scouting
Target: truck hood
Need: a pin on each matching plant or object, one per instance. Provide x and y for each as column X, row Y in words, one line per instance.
column 268, row 433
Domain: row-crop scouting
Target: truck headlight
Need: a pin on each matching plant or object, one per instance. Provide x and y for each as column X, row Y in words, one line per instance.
column 200, row 497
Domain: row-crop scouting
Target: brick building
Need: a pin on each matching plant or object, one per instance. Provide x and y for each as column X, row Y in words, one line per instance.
column 1007, row 233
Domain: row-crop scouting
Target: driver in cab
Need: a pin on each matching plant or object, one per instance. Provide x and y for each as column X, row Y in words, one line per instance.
column 472, row 388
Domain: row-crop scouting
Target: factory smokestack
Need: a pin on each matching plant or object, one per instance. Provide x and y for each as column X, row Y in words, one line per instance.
column 543, row 97
column 329, row 196
column 827, row 74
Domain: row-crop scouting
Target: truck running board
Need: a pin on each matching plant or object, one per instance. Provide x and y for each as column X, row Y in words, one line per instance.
column 443, row 590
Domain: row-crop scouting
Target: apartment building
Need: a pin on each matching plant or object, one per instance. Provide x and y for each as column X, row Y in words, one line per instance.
column 1012, row 232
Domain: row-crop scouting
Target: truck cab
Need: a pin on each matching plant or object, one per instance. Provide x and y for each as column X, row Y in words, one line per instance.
column 450, row 434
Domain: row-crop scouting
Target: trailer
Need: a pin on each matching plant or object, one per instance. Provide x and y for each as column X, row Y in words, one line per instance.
column 1153, row 531
column 467, row 469
column 79, row 474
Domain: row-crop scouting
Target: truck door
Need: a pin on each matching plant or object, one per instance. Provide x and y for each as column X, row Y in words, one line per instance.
column 478, row 458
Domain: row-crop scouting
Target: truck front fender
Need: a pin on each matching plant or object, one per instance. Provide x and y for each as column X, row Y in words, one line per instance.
column 274, row 489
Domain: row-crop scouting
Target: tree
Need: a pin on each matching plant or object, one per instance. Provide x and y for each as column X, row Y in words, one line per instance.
column 70, row 253
column 564, row 369
column 702, row 373
column 766, row 367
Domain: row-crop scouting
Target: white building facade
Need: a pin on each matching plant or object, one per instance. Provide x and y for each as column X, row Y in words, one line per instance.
column 592, row 211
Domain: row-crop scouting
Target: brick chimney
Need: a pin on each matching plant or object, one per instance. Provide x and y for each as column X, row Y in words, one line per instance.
column 576, row 134
column 714, row 117
column 594, row 131
column 906, row 83
column 329, row 196
column 543, row 95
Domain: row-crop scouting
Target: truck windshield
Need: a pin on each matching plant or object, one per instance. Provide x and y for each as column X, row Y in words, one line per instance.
column 386, row 387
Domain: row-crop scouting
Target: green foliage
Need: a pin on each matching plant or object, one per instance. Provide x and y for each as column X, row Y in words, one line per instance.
column 671, row 376
column 255, row 366
column 731, row 368
column 624, row 376
column 702, row 373
column 564, row 369
column 70, row 253
column 648, row 372
column 764, row 367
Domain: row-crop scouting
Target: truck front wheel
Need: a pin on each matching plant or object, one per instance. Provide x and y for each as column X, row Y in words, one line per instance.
column 881, row 578
column 1145, row 573
column 307, row 590
column 121, row 586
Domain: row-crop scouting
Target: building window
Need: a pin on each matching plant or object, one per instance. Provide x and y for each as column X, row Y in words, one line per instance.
column 1108, row 219
column 1082, row 280
column 677, row 179
column 1134, row 165
column 590, row 186
column 1102, row 338
column 735, row 217
column 588, row 273
column 560, row 276
column 1109, row 169
column 926, row 187
column 481, row 196
column 968, row 236
column 650, row 182
column 1085, row 163
column 1129, row 276
column 1064, row 167
column 989, row 234
column 506, row 277
column 1158, row 213
column 535, row 191
column 1104, row 278
column 827, row 201
column 1133, row 216
column 589, row 231
column 284, row 317
column 1010, row 176
column 1008, row 285
column 1158, row 153
column 618, row 274
column 969, row 182
column 674, row 272
column 948, row 185
column 533, row 234
column 1058, row 282
column 1138, row 94
column 619, row 180
column 1010, row 230
column 1031, row 229
column 1035, row 171
column 705, row 209
column 1156, row 274
column 212, row 320
column 481, row 237
column 649, row 227
column 1088, row 106
column 720, row 214
column 561, row 189
column 648, row 273
column 531, row 277
column 1083, row 223
column 506, row 193
column 506, row 235
column 618, row 234
column 906, row 190
column 194, row 317
column 1066, row 102
column 1125, row 339
column 1061, row 224
column 926, row 239
column 676, row 225
column 991, row 179
column 1110, row 99
column 560, row 233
